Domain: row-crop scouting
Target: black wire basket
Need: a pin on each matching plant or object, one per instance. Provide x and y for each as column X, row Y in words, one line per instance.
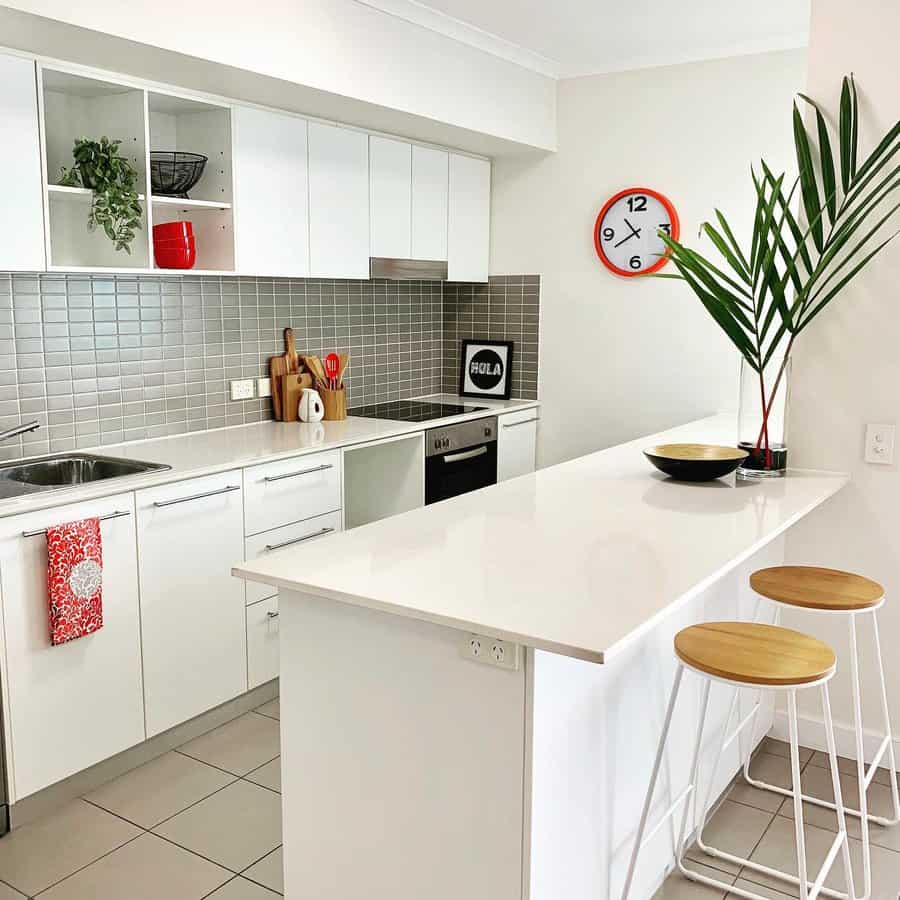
column 173, row 172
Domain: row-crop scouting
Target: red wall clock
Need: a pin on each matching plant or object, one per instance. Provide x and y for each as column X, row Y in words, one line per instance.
column 626, row 231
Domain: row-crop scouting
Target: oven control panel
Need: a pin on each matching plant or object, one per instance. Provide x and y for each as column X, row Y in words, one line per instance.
column 451, row 438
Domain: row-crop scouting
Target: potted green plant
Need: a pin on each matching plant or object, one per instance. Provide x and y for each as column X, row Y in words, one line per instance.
column 765, row 295
column 113, row 181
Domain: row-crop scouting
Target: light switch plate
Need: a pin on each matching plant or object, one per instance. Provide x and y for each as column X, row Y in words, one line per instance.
column 263, row 387
column 242, row 389
column 880, row 444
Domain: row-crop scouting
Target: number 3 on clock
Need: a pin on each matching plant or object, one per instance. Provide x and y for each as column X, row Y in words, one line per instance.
column 626, row 232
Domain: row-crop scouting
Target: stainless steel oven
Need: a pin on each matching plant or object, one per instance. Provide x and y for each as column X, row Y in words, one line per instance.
column 460, row 458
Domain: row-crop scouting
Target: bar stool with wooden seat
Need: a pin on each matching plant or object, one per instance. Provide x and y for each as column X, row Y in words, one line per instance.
column 764, row 657
column 836, row 593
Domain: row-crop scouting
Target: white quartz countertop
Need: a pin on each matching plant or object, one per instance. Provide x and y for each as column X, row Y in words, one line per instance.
column 223, row 449
column 579, row 558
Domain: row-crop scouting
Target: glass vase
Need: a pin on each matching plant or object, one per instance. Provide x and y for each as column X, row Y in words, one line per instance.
column 761, row 425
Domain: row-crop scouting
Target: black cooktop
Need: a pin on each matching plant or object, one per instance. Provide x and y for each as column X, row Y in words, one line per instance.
column 412, row 410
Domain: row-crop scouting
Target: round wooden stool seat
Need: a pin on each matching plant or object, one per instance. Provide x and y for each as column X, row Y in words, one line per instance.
column 815, row 588
column 753, row 653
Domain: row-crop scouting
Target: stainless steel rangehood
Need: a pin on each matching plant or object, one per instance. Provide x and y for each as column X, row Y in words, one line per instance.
column 408, row 269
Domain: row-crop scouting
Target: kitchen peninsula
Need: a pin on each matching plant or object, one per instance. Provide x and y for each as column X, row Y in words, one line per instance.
column 471, row 692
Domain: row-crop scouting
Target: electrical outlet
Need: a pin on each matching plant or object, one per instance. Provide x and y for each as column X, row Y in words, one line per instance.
column 263, row 387
column 242, row 390
column 491, row 651
column 880, row 444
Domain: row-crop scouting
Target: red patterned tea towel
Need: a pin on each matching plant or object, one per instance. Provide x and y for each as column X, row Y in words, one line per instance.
column 74, row 580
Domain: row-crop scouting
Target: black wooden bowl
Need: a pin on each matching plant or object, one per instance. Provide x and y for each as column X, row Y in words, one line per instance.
column 695, row 462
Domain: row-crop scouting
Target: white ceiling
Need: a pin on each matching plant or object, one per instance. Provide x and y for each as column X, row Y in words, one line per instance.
column 567, row 38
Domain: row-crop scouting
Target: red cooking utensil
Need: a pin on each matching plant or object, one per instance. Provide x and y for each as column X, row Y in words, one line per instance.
column 332, row 369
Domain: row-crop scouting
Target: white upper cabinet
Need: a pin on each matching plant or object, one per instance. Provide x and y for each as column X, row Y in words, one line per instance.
column 22, row 222
column 271, row 193
column 338, row 202
column 390, row 197
column 429, row 203
column 468, row 240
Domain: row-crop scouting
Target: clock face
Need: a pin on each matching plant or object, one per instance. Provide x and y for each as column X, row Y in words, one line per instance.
column 626, row 231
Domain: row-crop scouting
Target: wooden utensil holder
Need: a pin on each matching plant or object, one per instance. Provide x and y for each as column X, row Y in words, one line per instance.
column 335, row 403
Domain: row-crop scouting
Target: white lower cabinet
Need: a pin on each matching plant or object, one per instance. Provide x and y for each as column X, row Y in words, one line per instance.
column 71, row 706
column 193, row 624
column 516, row 443
column 262, row 641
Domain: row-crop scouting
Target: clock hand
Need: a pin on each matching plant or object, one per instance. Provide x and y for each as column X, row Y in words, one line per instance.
column 627, row 237
column 635, row 231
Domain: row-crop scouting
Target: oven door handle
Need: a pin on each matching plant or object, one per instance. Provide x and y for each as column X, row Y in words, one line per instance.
column 466, row 454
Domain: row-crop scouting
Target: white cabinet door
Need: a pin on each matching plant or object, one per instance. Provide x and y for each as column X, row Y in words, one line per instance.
column 262, row 641
column 429, row 203
column 516, row 443
column 390, row 197
column 193, row 627
column 338, row 202
column 271, row 193
column 22, row 222
column 469, row 219
column 71, row 706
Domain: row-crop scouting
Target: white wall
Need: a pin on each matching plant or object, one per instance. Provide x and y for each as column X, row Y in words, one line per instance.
column 340, row 46
column 846, row 369
column 623, row 357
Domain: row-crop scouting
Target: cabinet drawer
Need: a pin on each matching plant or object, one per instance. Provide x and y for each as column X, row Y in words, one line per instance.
column 262, row 641
column 279, row 539
column 289, row 491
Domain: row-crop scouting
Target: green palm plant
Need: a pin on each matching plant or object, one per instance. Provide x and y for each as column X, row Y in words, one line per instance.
column 763, row 297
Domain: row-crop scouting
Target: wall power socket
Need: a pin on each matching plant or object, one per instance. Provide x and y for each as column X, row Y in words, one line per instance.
column 243, row 389
column 491, row 651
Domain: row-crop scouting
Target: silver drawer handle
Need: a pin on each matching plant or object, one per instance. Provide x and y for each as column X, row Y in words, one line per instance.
column 466, row 454
column 224, row 490
column 272, row 615
column 517, row 424
column 113, row 515
column 269, row 547
column 301, row 472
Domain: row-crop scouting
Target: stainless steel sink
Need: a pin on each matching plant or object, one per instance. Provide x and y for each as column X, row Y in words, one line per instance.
column 67, row 470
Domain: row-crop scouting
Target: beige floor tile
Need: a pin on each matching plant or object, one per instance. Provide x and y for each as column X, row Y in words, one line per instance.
column 272, row 708
column 760, row 889
column 882, row 775
column 234, row 827
column 43, row 852
column 678, row 887
column 817, row 783
column 239, row 746
column 766, row 767
column 241, row 889
column 147, row 868
column 8, row 893
column 735, row 828
column 157, row 790
column 782, row 748
column 269, row 871
column 777, row 849
column 268, row 775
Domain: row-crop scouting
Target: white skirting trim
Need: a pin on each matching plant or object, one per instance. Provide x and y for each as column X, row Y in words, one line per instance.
column 812, row 735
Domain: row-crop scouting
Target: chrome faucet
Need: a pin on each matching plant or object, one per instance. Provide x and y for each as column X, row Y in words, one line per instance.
column 16, row 430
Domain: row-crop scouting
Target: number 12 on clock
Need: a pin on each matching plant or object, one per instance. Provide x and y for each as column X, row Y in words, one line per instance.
column 626, row 232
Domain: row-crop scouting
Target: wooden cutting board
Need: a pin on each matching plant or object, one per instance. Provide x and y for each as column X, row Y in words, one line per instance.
column 292, row 386
column 279, row 366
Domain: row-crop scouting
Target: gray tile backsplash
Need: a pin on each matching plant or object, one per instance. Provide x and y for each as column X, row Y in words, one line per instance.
column 99, row 359
column 506, row 308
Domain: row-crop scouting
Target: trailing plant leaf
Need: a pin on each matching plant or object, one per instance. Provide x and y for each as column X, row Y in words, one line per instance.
column 113, row 182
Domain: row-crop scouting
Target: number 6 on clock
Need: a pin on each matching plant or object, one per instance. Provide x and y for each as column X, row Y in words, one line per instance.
column 626, row 232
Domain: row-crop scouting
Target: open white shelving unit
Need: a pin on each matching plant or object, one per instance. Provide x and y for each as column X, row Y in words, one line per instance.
column 73, row 105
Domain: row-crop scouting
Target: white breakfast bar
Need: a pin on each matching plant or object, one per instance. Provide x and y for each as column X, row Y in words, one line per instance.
column 413, row 771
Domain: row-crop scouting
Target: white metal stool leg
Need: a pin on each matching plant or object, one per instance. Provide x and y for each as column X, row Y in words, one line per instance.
column 886, row 747
column 861, row 761
column 808, row 890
